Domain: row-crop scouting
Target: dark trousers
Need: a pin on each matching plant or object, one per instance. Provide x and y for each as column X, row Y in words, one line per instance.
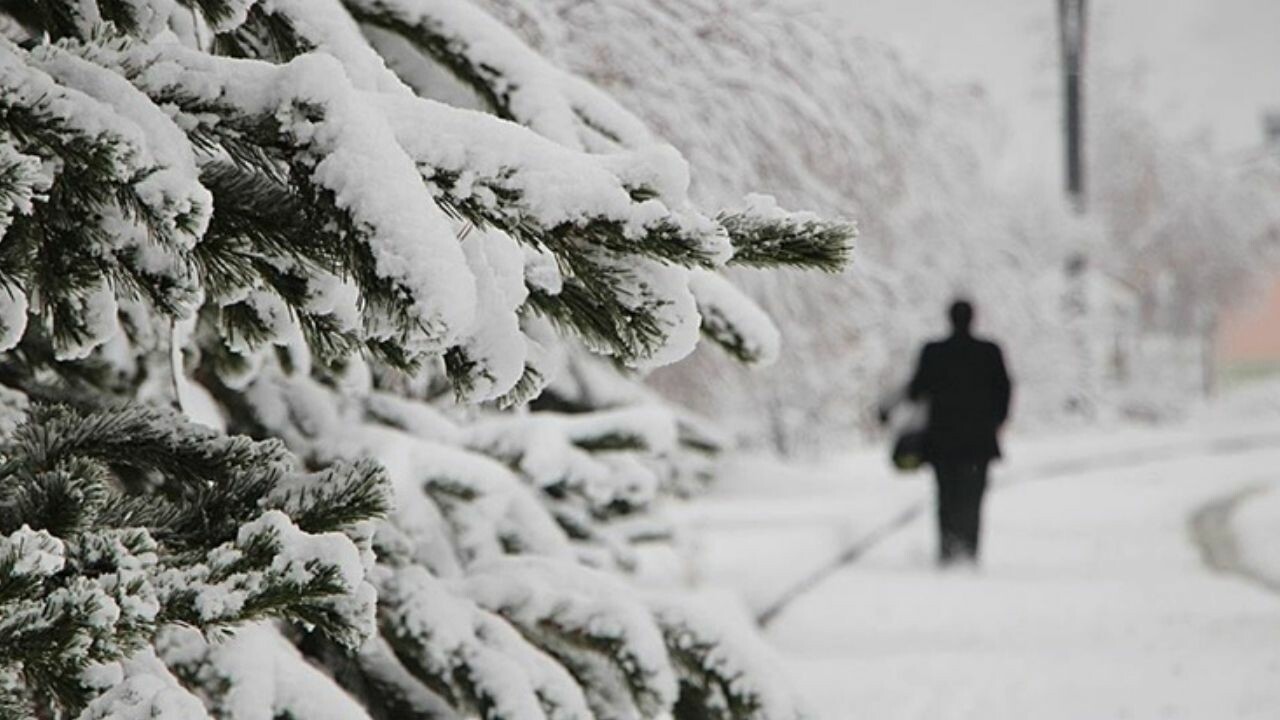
column 961, row 486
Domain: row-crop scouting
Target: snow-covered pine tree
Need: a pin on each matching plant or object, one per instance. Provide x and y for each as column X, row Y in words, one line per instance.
column 262, row 214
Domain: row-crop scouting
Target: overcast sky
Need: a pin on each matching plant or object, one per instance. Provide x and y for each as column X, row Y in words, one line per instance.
column 1210, row 66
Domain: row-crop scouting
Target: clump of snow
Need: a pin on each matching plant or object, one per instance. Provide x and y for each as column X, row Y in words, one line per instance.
column 27, row 183
column 300, row 552
column 486, row 506
column 328, row 26
column 541, row 272
column 142, row 688
column 13, row 317
column 132, row 555
column 97, row 315
column 218, row 592
column 495, row 346
column 727, row 313
column 416, row 418
column 663, row 291
column 34, row 552
column 657, row 168
column 256, row 674
column 766, row 207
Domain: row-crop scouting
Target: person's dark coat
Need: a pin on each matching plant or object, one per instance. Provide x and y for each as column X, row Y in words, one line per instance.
column 964, row 382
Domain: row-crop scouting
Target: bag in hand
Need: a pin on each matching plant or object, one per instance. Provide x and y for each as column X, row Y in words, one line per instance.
column 907, row 420
column 908, row 450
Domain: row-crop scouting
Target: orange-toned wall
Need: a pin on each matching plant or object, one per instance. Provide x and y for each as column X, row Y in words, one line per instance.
column 1251, row 334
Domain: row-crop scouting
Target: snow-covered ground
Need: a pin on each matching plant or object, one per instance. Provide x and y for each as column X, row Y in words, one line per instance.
column 1094, row 599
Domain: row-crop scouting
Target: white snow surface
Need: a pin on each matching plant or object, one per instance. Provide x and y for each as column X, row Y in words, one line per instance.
column 1257, row 528
column 1092, row 600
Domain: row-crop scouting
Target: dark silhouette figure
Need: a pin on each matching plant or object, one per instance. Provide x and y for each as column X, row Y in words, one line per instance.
column 964, row 382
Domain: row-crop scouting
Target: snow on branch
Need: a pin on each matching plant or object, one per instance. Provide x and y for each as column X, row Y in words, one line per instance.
column 417, row 289
column 728, row 675
column 733, row 320
column 493, row 172
column 518, row 83
column 522, row 87
column 764, row 235
column 115, row 203
column 469, row 656
column 280, row 30
column 589, row 623
column 253, row 674
column 198, row 550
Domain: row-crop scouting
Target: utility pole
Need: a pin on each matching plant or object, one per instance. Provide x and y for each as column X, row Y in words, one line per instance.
column 1071, row 34
column 1080, row 398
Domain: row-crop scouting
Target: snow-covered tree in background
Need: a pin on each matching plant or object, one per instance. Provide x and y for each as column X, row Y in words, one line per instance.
column 784, row 96
column 1190, row 232
column 263, row 215
column 787, row 97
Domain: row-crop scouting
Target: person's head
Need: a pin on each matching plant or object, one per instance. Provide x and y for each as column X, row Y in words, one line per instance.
column 961, row 314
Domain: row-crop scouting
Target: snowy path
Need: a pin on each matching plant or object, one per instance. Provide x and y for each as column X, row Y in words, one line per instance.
column 1094, row 600
column 1215, row 543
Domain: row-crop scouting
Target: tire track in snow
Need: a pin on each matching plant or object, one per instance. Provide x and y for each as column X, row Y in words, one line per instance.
column 1212, row 533
column 848, row 556
column 1227, row 445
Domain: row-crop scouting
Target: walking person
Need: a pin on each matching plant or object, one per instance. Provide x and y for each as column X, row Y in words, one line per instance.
column 963, row 381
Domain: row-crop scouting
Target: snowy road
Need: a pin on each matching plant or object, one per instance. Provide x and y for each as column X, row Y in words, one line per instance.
column 1094, row 600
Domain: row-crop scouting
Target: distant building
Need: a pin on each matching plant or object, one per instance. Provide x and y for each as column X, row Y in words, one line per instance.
column 1248, row 342
column 1249, row 338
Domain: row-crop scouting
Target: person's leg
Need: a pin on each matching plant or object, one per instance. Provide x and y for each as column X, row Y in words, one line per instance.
column 948, row 536
column 974, row 484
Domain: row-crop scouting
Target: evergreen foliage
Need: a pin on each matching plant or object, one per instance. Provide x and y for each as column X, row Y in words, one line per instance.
column 116, row 522
column 236, row 209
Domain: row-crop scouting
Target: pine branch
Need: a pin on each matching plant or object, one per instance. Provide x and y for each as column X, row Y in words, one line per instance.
column 334, row 499
column 472, row 658
column 547, row 602
column 764, row 236
column 122, row 520
column 549, row 196
column 405, row 286
column 721, row 677
column 263, row 35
